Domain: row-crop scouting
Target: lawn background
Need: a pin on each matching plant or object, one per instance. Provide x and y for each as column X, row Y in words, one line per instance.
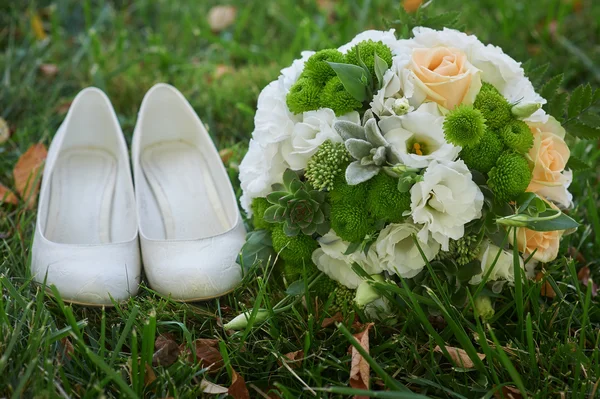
column 548, row 347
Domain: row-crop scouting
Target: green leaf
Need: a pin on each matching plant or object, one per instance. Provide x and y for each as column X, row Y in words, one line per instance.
column 288, row 177
column 586, row 97
column 575, row 102
column 576, row 164
column 270, row 213
column 582, row 131
column 352, row 248
column 445, row 20
column 556, row 106
column 275, row 196
column 258, row 246
column 296, row 288
column 381, row 68
column 535, row 74
column 549, row 90
column 367, row 79
column 524, row 200
column 590, row 119
column 351, row 77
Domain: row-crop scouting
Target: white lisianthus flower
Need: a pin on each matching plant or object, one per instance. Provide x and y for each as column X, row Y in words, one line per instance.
column 386, row 37
column 262, row 166
column 384, row 99
column 398, row 252
column 273, row 121
column 330, row 259
column 501, row 269
column 290, row 75
column 445, row 201
column 315, row 128
column 419, row 136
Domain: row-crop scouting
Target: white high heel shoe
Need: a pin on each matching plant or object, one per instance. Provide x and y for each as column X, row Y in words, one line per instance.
column 86, row 241
column 190, row 227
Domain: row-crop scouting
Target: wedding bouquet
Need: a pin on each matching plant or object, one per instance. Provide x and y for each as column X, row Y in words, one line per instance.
column 394, row 160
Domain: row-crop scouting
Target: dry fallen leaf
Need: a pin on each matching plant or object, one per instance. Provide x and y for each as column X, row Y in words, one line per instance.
column 49, row 70
column 149, row 376
column 547, row 289
column 226, row 154
column 221, row 70
column 37, row 27
column 26, row 173
column 221, row 17
column 4, row 131
column 207, row 352
column 63, row 107
column 68, row 349
column 337, row 318
column 411, row 5
column 360, row 370
column 327, row 7
column 166, row 351
column 238, row 389
column 294, row 359
column 508, row 392
column 7, row 196
column 584, row 275
column 209, row 387
column 459, row 356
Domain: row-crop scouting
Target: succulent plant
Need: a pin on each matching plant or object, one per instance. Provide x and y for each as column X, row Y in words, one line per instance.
column 367, row 146
column 298, row 207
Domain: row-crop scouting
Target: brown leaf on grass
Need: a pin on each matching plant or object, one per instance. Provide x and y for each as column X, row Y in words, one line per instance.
column 459, row 356
column 294, row 359
column 166, row 351
column 212, row 388
column 63, row 107
column 411, row 5
column 49, row 70
column 4, row 131
column 149, row 376
column 226, row 154
column 575, row 254
column 222, row 70
column 26, row 173
column 547, row 289
column 68, row 349
column 207, row 352
column 7, row 196
column 328, row 321
column 584, row 275
column 359, row 369
column 327, row 7
column 221, row 17
column 238, row 389
column 37, row 27
column 508, row 392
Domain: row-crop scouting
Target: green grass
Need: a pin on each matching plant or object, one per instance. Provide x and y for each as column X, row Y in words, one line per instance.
column 542, row 346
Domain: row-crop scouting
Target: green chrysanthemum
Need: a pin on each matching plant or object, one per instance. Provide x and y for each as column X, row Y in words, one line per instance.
column 485, row 87
column 464, row 126
column 494, row 107
column 336, row 97
column 517, row 136
column 295, row 271
column 259, row 206
column 384, row 201
column 350, row 218
column 484, row 155
column 324, row 287
column 317, row 67
column 367, row 50
column 296, row 249
column 510, row 177
column 304, row 96
column 326, row 165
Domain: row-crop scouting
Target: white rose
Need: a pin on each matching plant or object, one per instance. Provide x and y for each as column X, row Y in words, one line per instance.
column 330, row 259
column 261, row 167
column 315, row 128
column 386, row 37
column 398, row 252
column 502, row 269
column 419, row 136
column 445, row 201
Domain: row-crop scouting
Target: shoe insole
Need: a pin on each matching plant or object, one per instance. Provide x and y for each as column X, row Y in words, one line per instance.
column 81, row 194
column 188, row 202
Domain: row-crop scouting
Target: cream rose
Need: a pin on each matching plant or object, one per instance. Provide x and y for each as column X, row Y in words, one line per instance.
column 550, row 155
column 444, row 75
column 546, row 243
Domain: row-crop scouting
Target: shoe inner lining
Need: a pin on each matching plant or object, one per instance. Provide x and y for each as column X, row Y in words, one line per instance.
column 82, row 187
column 181, row 183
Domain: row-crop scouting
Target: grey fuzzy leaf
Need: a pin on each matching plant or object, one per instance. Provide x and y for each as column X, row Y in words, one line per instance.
column 356, row 173
column 349, row 130
column 367, row 116
column 374, row 135
column 358, row 148
column 379, row 156
column 366, row 161
column 393, row 156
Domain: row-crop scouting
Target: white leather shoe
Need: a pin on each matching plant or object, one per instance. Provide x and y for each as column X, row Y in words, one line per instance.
column 191, row 231
column 86, row 241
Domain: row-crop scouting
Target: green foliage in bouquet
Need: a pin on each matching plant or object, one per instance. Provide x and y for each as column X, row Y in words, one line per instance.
column 299, row 208
column 336, row 97
column 510, row 177
column 329, row 162
column 259, row 207
column 517, row 136
column 295, row 250
column 464, row 126
column 384, row 200
column 350, row 218
column 304, row 95
column 495, row 108
column 364, row 53
column 317, row 67
column 483, row 156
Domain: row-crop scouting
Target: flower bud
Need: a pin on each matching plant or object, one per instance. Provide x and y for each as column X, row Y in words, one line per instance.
column 483, row 307
column 401, row 106
column 241, row 321
column 365, row 293
column 525, row 109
